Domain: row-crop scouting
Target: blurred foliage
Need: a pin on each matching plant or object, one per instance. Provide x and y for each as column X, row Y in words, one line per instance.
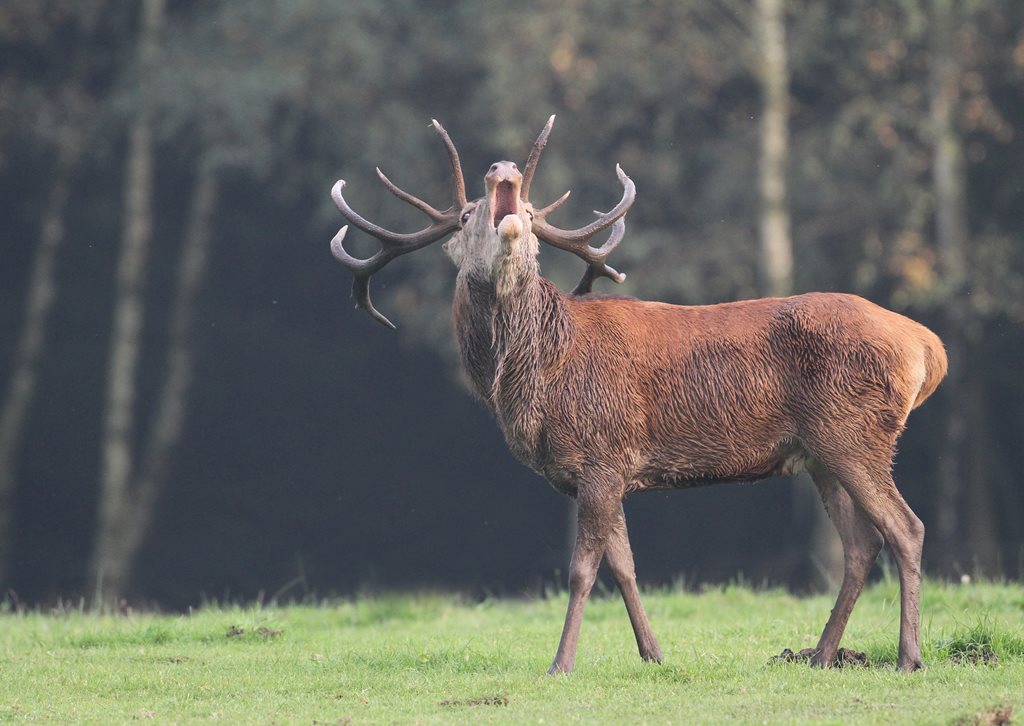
column 282, row 97
column 295, row 93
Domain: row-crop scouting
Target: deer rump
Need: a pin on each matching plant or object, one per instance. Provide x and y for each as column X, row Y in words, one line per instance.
column 605, row 396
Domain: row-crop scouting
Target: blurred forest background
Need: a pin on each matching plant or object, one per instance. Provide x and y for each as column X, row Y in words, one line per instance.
column 190, row 408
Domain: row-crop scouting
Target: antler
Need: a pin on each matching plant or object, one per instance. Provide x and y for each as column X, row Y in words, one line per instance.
column 577, row 241
column 394, row 244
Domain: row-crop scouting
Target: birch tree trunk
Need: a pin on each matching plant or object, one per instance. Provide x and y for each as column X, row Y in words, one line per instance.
column 41, row 292
column 143, row 489
column 169, row 418
column 109, row 570
column 951, row 231
column 776, row 242
column 777, row 246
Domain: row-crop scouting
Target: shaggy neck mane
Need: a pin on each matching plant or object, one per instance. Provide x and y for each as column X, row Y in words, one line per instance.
column 511, row 333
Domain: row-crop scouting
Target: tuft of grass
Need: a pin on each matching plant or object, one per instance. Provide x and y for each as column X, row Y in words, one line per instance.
column 981, row 643
column 431, row 658
column 152, row 634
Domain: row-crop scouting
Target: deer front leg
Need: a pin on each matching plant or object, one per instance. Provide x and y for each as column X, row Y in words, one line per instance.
column 593, row 528
column 620, row 560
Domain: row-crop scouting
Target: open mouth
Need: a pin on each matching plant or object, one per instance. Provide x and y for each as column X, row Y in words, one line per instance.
column 505, row 202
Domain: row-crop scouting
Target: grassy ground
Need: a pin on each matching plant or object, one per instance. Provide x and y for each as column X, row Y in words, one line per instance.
column 432, row 659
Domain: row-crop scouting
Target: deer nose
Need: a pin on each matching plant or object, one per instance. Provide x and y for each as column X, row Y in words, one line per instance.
column 503, row 171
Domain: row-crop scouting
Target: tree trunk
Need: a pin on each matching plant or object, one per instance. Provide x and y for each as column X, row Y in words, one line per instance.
column 41, row 292
column 776, row 243
column 109, row 570
column 142, row 492
column 777, row 251
column 948, row 184
column 169, row 418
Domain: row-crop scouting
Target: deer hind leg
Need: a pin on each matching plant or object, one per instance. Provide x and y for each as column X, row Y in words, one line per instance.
column 595, row 521
column 861, row 544
column 620, row 560
column 870, row 486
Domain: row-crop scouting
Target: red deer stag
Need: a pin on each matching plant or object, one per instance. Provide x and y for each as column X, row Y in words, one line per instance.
column 605, row 396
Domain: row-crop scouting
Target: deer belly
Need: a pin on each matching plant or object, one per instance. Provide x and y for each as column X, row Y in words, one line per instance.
column 712, row 465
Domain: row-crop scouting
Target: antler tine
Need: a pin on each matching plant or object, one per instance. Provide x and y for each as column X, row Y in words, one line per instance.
column 392, row 240
column 569, row 238
column 577, row 241
column 362, row 270
column 458, row 182
column 597, row 268
column 533, row 158
column 553, row 206
column 394, row 244
column 409, row 198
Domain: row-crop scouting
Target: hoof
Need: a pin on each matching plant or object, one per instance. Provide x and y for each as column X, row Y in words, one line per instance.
column 557, row 669
column 818, row 659
column 910, row 665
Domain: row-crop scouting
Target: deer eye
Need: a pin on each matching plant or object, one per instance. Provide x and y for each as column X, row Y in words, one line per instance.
column 466, row 215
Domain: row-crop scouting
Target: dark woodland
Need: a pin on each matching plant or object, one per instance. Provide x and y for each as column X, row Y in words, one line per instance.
column 192, row 410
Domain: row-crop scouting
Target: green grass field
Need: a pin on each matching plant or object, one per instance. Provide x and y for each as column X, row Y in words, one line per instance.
column 434, row 659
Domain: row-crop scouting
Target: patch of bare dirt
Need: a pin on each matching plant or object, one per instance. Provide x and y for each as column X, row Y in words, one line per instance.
column 483, row 701
column 977, row 654
column 995, row 716
column 845, row 657
column 262, row 632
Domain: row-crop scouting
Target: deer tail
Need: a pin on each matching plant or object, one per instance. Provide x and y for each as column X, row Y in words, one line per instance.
column 935, row 366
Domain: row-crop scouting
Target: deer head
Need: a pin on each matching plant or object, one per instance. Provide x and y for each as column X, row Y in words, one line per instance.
column 503, row 219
